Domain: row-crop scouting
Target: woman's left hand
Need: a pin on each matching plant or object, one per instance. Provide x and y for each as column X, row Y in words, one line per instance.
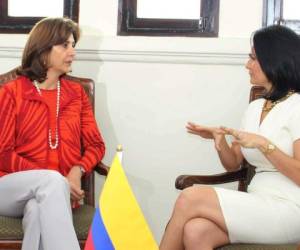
column 74, row 178
column 245, row 139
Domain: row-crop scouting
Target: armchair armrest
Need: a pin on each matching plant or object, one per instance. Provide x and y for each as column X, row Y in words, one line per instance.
column 102, row 169
column 88, row 183
column 184, row 181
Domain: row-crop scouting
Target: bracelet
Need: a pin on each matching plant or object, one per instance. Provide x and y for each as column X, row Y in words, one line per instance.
column 269, row 149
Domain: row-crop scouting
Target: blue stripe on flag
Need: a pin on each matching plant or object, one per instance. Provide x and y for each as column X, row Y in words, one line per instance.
column 101, row 238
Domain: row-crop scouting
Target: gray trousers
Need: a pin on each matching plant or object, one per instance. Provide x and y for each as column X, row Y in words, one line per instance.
column 42, row 197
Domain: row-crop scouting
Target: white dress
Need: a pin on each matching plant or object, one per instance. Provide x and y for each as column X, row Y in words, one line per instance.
column 270, row 211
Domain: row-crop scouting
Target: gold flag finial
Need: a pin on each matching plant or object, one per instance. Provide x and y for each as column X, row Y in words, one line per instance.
column 119, row 148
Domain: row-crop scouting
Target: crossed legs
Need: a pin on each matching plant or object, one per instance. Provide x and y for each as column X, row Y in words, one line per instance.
column 43, row 198
column 197, row 222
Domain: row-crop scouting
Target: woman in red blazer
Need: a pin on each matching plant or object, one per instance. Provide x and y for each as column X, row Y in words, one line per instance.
column 46, row 122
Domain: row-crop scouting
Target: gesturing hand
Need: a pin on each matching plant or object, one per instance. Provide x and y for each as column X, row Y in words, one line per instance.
column 74, row 178
column 214, row 133
column 245, row 139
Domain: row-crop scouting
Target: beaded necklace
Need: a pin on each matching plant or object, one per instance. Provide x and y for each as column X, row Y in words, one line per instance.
column 55, row 145
column 273, row 104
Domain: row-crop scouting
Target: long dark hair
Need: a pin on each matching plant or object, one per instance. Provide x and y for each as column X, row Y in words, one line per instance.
column 277, row 49
column 43, row 36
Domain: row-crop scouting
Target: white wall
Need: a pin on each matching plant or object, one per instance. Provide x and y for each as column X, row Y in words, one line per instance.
column 148, row 88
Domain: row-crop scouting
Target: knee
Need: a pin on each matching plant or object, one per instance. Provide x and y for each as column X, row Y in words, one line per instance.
column 185, row 199
column 31, row 208
column 195, row 231
column 192, row 196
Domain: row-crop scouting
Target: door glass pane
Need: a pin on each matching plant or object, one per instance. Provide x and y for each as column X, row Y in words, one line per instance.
column 39, row 8
column 168, row 9
column 291, row 9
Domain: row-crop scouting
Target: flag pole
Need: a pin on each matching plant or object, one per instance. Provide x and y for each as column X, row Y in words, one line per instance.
column 120, row 152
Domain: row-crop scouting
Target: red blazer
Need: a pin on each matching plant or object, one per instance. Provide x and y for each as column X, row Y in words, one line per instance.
column 24, row 125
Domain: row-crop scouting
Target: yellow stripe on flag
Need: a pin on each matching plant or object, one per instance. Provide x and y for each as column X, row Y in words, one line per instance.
column 121, row 214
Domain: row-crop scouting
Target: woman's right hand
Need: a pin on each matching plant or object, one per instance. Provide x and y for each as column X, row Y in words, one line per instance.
column 217, row 134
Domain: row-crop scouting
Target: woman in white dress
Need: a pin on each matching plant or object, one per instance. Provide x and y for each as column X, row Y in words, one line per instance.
column 269, row 138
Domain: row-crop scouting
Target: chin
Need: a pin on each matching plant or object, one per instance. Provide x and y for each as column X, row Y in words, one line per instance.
column 67, row 70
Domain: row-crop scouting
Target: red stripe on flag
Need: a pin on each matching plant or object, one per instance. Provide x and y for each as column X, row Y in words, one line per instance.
column 89, row 244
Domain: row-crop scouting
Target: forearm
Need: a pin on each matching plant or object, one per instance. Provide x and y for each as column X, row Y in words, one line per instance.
column 12, row 162
column 91, row 156
column 287, row 165
column 93, row 144
column 228, row 156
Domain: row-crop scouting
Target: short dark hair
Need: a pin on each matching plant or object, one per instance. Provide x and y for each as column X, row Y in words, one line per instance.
column 43, row 36
column 277, row 49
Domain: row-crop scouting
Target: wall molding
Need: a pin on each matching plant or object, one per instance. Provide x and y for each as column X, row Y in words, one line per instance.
column 133, row 56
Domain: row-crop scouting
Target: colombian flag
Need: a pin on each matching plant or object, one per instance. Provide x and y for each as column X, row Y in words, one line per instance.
column 118, row 222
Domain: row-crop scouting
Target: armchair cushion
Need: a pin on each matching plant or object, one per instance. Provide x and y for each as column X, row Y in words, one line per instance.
column 11, row 228
column 257, row 247
column 82, row 219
